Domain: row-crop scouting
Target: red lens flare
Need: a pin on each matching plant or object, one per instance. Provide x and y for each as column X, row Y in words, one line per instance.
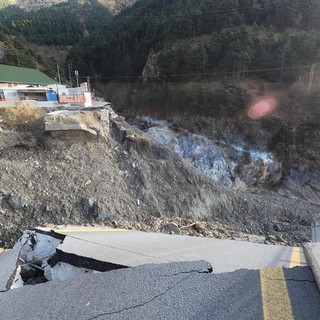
column 262, row 108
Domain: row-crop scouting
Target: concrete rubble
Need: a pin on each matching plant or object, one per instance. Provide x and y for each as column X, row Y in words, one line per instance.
column 35, row 259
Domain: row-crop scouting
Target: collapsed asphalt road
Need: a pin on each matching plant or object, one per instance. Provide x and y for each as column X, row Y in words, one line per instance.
column 141, row 286
column 183, row 290
column 133, row 248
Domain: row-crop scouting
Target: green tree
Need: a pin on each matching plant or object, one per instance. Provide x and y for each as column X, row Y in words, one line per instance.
column 238, row 48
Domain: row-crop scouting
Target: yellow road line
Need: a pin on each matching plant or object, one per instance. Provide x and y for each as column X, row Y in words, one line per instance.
column 89, row 230
column 295, row 257
column 275, row 298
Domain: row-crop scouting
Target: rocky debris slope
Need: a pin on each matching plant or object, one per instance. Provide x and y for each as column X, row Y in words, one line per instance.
column 230, row 164
column 243, row 160
column 130, row 177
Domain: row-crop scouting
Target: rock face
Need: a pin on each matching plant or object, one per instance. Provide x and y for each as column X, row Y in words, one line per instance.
column 304, row 184
column 231, row 165
column 129, row 177
column 260, row 172
column 227, row 159
column 151, row 69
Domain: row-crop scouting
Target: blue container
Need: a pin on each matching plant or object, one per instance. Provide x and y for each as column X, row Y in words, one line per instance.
column 52, row 95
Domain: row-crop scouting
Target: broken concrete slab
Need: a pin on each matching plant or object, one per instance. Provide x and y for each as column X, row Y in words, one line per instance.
column 92, row 121
column 38, row 245
column 40, row 261
column 8, row 268
column 35, row 248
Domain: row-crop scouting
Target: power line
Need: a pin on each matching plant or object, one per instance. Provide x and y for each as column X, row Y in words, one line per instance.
column 215, row 13
column 185, row 17
column 197, row 74
column 62, row 71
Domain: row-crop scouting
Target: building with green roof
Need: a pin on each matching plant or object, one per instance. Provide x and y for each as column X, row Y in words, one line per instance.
column 11, row 76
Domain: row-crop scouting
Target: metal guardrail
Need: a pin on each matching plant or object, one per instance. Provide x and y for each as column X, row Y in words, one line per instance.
column 315, row 232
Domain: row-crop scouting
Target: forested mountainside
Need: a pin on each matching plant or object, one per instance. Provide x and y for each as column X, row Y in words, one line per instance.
column 14, row 52
column 258, row 42
column 61, row 24
column 257, row 45
column 201, row 37
column 40, row 33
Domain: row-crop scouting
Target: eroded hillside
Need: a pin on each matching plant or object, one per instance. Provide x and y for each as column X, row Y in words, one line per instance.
column 123, row 176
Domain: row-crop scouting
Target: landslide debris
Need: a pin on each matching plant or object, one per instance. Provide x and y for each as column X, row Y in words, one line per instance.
column 122, row 174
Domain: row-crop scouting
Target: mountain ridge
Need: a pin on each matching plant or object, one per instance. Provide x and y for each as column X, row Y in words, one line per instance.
column 114, row 6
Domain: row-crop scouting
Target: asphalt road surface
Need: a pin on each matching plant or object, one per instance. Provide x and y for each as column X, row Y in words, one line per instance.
column 133, row 248
column 248, row 281
column 183, row 290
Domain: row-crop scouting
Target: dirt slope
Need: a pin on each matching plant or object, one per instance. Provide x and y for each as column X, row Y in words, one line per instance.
column 128, row 177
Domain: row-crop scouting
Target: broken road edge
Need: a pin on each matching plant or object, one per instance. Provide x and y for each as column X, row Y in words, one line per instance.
column 312, row 253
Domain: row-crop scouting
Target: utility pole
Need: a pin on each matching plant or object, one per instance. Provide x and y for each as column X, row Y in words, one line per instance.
column 69, row 68
column 58, row 71
column 76, row 72
column 313, row 68
column 88, row 83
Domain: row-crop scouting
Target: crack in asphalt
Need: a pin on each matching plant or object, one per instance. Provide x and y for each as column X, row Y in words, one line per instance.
column 184, row 272
column 302, row 280
column 149, row 301
column 293, row 280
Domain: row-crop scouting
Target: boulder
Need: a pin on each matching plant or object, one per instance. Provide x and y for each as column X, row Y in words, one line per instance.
column 16, row 202
column 171, row 228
